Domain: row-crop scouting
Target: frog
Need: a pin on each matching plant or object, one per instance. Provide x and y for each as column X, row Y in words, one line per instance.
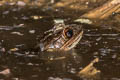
column 61, row 37
column 65, row 37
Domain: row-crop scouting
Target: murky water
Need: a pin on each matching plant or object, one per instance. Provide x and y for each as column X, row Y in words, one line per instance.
column 18, row 36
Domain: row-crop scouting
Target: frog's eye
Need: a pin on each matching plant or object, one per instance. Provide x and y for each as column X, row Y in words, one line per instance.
column 68, row 33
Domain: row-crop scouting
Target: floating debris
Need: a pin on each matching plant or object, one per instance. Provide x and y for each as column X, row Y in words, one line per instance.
column 92, row 35
column 11, row 27
column 19, row 54
column 98, row 39
column 87, row 21
column 73, row 70
column 114, row 56
column 20, row 45
column 111, row 38
column 52, row 78
column 12, row 3
column 52, row 1
column 105, row 50
column 1, row 4
column 25, row 18
column 2, row 50
column 109, row 34
column 115, row 78
column 21, row 3
column 20, row 25
column 57, row 78
column 58, row 21
column 30, row 64
column 30, row 55
column 67, row 79
column 18, row 33
column 31, row 31
column 5, row 72
column 5, row 12
column 87, row 3
column 14, row 49
column 37, row 17
column 6, row 27
column 89, row 71
column 58, row 58
column 116, row 47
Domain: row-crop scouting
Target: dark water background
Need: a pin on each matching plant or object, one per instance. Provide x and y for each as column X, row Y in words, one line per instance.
column 16, row 25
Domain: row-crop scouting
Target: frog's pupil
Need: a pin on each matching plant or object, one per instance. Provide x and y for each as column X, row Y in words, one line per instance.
column 69, row 33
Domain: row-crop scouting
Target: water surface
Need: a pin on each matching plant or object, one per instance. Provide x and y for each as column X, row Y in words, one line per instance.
column 18, row 36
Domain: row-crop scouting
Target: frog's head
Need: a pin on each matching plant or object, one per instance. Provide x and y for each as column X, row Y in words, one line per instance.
column 61, row 37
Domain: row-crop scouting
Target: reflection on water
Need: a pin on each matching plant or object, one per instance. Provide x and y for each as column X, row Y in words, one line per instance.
column 18, row 33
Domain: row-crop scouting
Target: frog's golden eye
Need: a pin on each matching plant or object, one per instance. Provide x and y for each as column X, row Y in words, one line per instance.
column 68, row 33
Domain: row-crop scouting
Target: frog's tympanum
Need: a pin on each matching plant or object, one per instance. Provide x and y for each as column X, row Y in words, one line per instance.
column 61, row 37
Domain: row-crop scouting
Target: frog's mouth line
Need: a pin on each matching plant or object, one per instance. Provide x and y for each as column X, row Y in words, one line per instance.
column 72, row 42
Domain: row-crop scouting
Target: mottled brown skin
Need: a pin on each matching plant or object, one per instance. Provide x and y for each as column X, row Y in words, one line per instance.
column 61, row 37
